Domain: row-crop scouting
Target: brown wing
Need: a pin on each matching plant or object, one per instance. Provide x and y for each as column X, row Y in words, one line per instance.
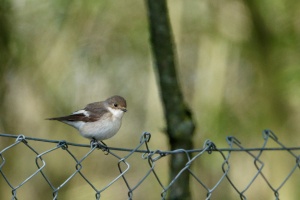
column 76, row 117
column 92, row 112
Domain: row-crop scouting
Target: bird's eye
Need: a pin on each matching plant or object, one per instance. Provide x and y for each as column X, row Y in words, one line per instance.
column 115, row 105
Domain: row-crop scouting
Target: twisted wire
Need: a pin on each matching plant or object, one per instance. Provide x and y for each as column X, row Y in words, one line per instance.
column 152, row 157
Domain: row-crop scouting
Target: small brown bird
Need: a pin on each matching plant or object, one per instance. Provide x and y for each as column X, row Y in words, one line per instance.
column 98, row 121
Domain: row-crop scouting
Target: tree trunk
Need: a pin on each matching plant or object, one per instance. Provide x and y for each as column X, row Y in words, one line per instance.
column 180, row 125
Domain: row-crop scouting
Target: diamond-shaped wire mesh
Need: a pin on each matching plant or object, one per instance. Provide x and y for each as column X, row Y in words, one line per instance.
column 151, row 158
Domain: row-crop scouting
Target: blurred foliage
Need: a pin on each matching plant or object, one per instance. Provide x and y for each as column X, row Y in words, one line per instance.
column 238, row 65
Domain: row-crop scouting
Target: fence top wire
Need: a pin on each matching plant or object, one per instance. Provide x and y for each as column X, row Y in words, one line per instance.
column 267, row 134
column 151, row 156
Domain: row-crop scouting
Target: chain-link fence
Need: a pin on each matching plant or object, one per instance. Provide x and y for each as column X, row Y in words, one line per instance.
column 151, row 157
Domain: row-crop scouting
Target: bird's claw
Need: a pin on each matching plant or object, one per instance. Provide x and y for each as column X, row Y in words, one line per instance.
column 100, row 145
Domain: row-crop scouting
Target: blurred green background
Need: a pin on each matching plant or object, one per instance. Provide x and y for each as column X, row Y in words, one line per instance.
column 238, row 67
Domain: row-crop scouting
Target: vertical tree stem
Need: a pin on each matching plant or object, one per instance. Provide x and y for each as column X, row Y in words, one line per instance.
column 180, row 125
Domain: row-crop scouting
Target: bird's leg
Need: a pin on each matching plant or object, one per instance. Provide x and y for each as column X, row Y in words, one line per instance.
column 101, row 145
column 94, row 143
column 104, row 147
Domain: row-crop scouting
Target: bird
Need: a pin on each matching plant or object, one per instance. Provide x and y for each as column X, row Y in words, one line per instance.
column 98, row 121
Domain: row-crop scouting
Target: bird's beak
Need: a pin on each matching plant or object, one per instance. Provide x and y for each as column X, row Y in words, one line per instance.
column 124, row 109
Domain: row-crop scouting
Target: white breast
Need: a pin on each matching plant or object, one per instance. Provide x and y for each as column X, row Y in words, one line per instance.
column 101, row 129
